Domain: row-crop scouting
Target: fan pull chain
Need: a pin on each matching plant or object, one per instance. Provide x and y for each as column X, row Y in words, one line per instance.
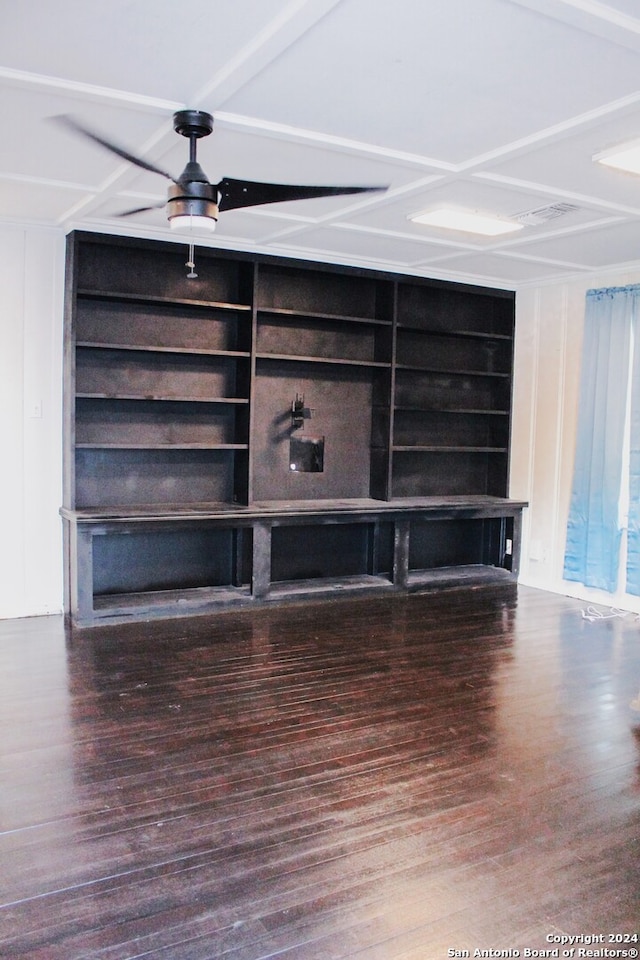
column 191, row 262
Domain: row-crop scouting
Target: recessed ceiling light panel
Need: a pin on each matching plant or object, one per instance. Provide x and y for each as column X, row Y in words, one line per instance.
column 466, row 221
column 624, row 157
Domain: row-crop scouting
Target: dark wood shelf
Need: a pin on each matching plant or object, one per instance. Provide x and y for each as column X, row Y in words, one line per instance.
column 413, row 368
column 462, row 411
column 440, row 448
column 472, row 574
column 282, row 313
column 280, row 510
column 313, row 587
column 105, row 445
column 150, row 348
column 335, row 361
column 160, row 398
column 463, row 334
column 168, row 602
column 151, row 299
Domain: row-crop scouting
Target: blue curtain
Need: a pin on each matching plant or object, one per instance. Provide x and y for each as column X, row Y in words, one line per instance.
column 593, row 529
column 633, row 529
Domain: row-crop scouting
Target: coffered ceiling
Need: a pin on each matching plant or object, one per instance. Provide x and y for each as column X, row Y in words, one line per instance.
column 493, row 106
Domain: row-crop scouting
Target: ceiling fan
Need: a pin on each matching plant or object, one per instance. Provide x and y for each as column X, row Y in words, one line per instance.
column 193, row 201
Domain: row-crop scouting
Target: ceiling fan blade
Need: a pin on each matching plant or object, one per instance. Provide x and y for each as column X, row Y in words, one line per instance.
column 246, row 193
column 130, row 213
column 72, row 124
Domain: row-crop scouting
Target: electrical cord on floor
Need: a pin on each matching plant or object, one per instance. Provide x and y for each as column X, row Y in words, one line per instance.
column 592, row 614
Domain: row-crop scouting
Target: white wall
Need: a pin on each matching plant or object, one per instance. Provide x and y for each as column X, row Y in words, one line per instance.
column 549, row 329
column 31, row 317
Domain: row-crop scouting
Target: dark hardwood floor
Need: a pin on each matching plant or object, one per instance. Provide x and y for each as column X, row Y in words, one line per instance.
column 388, row 779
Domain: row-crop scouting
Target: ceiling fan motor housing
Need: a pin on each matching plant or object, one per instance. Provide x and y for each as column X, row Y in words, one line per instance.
column 192, row 198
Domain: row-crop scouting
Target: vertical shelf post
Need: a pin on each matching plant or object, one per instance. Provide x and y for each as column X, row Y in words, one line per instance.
column 401, row 554
column 261, row 576
column 81, row 572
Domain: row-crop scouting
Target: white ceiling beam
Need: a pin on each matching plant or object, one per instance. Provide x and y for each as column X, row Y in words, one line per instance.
column 282, row 131
column 86, row 91
column 583, row 121
column 591, row 16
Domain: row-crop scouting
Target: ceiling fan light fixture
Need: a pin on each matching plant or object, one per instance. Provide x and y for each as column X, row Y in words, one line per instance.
column 191, row 213
column 466, row 221
column 192, row 223
column 625, row 157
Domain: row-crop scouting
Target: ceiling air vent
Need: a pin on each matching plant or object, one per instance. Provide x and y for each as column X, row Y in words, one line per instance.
column 532, row 218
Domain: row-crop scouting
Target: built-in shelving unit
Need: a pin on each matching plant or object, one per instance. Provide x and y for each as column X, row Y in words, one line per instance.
column 453, row 391
column 277, row 429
